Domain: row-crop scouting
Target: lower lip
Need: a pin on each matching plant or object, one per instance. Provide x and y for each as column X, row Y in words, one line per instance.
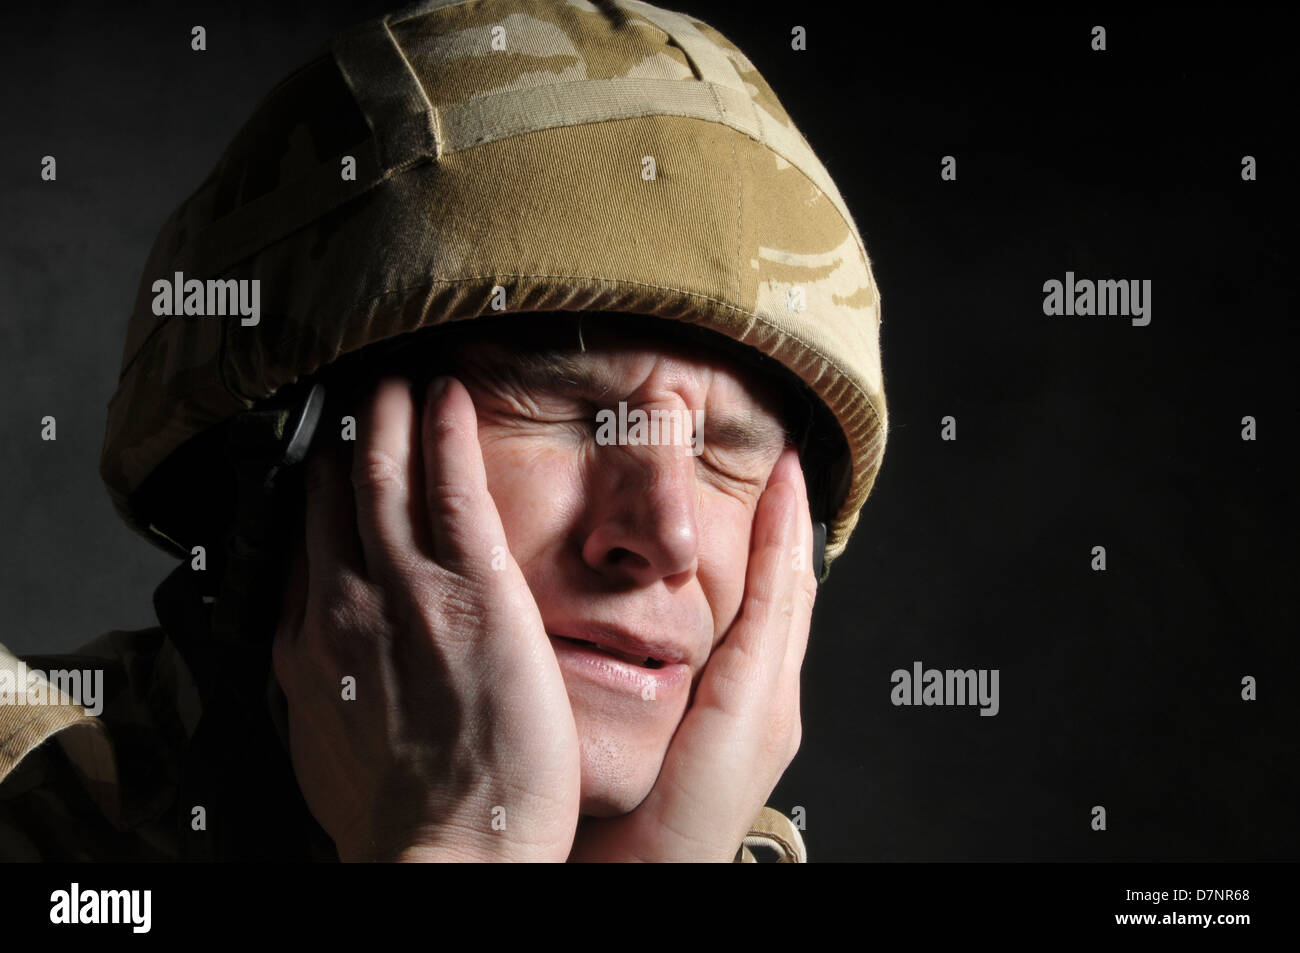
column 617, row 675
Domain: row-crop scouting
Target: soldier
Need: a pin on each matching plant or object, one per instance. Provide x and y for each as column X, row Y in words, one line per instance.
column 423, row 613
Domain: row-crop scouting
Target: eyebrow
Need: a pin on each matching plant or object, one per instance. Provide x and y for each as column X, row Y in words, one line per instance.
column 745, row 431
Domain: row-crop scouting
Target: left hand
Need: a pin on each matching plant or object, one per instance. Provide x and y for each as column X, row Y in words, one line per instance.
column 743, row 729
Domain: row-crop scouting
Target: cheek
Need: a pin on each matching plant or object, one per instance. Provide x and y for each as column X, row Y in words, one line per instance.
column 725, row 527
column 536, row 483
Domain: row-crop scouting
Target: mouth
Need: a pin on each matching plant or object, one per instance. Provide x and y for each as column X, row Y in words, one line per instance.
column 644, row 661
column 619, row 661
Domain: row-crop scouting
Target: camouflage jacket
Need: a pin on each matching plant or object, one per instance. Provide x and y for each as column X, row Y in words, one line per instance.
column 172, row 767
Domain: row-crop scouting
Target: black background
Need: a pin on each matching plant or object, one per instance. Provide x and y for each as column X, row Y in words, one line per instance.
column 1120, row 688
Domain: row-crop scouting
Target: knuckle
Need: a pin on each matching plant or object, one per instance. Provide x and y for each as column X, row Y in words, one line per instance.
column 347, row 589
column 375, row 472
column 345, row 612
column 449, row 501
column 762, row 600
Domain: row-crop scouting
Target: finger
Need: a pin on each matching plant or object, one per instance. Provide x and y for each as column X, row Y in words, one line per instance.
column 329, row 522
column 785, row 710
column 805, row 581
column 463, row 519
column 783, row 537
column 750, row 659
column 383, row 475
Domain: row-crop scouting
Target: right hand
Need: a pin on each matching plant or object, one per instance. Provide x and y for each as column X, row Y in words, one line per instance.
column 460, row 716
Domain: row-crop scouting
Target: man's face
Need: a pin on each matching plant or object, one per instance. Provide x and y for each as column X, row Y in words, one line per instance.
column 640, row 549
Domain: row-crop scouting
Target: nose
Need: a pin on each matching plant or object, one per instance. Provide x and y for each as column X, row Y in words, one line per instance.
column 644, row 526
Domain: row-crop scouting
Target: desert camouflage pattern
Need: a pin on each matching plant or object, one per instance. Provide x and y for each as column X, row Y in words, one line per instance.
column 123, row 785
column 504, row 144
column 78, row 787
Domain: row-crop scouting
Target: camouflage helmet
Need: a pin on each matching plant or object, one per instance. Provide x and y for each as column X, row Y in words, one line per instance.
column 438, row 163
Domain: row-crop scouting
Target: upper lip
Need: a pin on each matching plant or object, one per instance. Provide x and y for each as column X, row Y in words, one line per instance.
column 613, row 637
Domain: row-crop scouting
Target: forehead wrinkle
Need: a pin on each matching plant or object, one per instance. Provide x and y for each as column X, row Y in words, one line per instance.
column 747, row 431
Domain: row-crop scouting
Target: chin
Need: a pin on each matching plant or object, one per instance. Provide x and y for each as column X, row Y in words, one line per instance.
column 618, row 768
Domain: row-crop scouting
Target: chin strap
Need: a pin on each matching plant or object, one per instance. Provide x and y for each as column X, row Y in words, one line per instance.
column 774, row 831
column 264, row 443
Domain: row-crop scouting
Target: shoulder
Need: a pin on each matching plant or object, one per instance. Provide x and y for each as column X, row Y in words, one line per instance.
column 90, row 747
